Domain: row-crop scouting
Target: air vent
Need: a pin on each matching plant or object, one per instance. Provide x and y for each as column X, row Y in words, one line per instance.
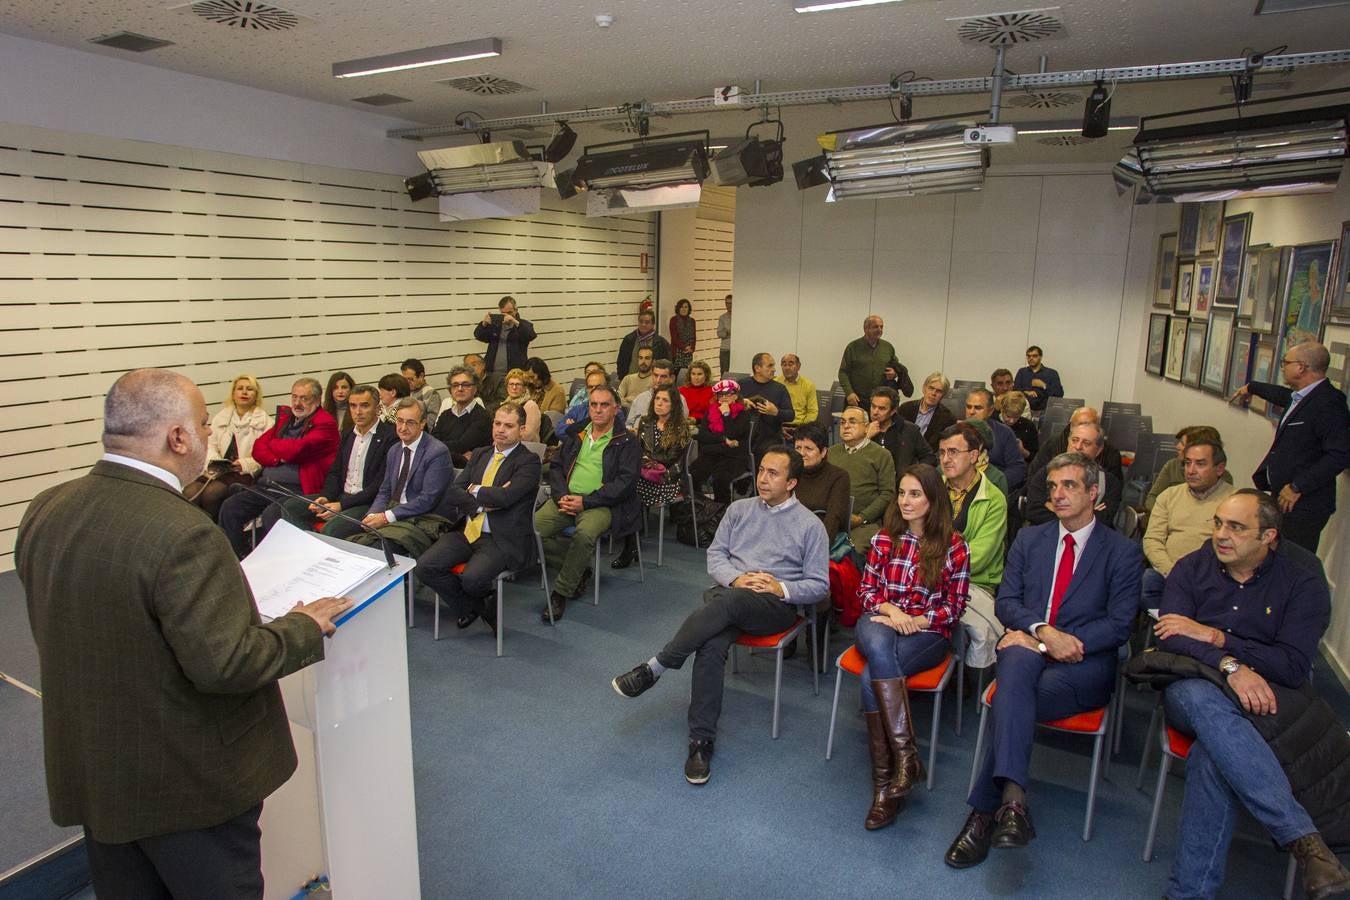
column 1045, row 99
column 248, row 15
column 1021, row 27
column 1064, row 140
column 381, row 100
column 489, row 85
column 130, row 40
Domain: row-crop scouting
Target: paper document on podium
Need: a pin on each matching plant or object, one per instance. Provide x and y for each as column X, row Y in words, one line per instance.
column 291, row 567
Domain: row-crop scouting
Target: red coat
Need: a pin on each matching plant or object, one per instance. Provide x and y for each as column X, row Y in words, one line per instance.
column 314, row 451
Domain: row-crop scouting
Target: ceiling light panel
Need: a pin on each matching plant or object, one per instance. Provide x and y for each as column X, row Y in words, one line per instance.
column 807, row 6
column 417, row 59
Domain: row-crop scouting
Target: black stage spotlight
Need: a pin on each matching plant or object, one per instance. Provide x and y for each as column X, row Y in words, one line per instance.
column 567, row 188
column 561, row 145
column 419, row 187
column 1097, row 113
column 810, row 172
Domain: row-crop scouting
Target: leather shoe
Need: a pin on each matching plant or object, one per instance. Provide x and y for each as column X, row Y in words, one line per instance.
column 1323, row 874
column 1012, row 827
column 972, row 844
column 698, row 768
column 466, row 620
column 557, row 602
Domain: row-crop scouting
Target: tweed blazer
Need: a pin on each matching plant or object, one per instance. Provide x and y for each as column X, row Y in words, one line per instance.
column 160, row 707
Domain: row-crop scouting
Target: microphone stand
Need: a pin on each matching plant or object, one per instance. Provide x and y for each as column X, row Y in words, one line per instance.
column 384, row 541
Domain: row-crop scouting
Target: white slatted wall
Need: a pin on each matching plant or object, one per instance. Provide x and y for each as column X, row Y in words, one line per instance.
column 714, row 253
column 117, row 254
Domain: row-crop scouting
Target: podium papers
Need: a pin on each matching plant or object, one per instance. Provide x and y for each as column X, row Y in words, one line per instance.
column 291, row 567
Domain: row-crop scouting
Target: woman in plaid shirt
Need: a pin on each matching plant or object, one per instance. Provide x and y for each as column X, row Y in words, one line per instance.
column 913, row 592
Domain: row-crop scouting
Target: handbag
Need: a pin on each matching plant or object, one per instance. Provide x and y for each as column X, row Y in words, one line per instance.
column 841, row 548
column 654, row 472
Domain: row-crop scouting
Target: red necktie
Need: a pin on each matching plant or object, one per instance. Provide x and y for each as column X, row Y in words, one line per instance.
column 1063, row 575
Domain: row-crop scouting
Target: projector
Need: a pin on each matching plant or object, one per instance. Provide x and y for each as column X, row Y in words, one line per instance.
column 990, row 134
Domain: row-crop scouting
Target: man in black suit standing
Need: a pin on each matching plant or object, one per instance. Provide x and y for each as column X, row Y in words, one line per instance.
column 496, row 493
column 1312, row 443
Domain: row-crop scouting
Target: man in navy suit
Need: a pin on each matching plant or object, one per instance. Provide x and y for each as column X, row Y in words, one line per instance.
column 408, row 507
column 1068, row 598
column 495, row 492
column 1312, row 443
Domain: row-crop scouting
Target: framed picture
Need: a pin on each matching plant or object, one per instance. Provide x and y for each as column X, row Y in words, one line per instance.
column 1194, row 359
column 1266, row 293
column 1176, row 347
column 1263, row 364
column 1232, row 254
column 1189, row 229
column 1204, row 287
column 1338, row 297
column 1157, row 343
column 1185, row 284
column 1247, row 292
column 1214, row 369
column 1304, row 294
column 1336, row 337
column 1239, row 360
column 1211, row 224
column 1165, row 275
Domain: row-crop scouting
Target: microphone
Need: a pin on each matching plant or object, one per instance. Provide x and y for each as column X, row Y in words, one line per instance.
column 384, row 541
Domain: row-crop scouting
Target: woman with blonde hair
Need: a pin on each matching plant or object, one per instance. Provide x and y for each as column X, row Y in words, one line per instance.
column 518, row 383
column 229, row 449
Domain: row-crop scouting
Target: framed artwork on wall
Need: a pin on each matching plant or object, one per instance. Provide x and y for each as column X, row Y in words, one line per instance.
column 1303, row 296
column 1336, row 338
column 1214, row 369
column 1239, row 360
column 1266, row 305
column 1204, row 287
column 1338, row 297
column 1176, row 347
column 1189, row 229
column 1247, row 292
column 1165, row 274
column 1185, row 284
column 1263, row 363
column 1211, row 224
column 1156, row 355
column 1194, row 360
column 1232, row 254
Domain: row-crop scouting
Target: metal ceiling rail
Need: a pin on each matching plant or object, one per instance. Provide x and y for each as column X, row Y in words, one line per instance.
column 1161, row 72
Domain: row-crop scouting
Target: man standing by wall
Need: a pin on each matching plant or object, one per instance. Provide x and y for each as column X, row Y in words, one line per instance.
column 507, row 335
column 1038, row 382
column 724, row 335
column 869, row 361
column 645, row 337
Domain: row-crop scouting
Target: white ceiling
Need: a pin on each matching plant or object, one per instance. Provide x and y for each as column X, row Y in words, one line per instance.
column 684, row 48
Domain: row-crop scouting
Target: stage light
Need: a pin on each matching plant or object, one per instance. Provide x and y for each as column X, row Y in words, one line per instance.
column 1097, row 112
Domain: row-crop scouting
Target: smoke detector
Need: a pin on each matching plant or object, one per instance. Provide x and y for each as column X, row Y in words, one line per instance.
column 604, row 20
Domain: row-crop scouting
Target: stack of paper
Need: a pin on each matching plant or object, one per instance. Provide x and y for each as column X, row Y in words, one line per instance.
column 291, row 567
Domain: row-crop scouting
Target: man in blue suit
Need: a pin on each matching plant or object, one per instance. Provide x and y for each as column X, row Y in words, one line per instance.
column 1069, row 593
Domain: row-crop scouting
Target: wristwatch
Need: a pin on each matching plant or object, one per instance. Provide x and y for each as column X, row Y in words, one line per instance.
column 1228, row 665
column 1040, row 647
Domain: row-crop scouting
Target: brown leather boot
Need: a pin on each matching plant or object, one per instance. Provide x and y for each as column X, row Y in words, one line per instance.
column 1323, row 874
column 883, row 809
column 894, row 702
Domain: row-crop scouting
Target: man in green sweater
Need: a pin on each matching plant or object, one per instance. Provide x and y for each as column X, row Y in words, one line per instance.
column 871, row 476
column 1183, row 517
column 869, row 362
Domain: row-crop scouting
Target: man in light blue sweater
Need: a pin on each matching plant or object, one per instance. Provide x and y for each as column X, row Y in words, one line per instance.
column 770, row 555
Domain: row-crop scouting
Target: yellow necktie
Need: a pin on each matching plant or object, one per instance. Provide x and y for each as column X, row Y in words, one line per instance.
column 473, row 529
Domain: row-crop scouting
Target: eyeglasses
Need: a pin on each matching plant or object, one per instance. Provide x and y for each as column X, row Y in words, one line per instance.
column 1292, row 362
column 460, row 385
column 406, row 423
column 1237, row 529
column 948, row 452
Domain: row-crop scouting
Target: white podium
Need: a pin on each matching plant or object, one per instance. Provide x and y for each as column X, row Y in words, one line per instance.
column 348, row 811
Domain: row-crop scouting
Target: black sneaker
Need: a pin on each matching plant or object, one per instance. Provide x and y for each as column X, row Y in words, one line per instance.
column 632, row 684
column 696, row 768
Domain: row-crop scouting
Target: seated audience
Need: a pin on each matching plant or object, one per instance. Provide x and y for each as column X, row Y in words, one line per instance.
column 507, row 336
column 1054, row 446
column 581, row 396
column 581, row 412
column 1183, row 518
column 494, row 494
column 644, row 337
column 340, row 384
column 913, row 593
column 979, row 508
column 491, row 385
column 868, row 362
column 353, row 478
column 770, row 555
column 805, row 404
column 229, row 449
column 1065, row 623
column 1244, row 606
column 683, row 334
column 518, row 394
column 769, row 399
column 1012, row 408
column 871, row 476
column 1039, row 383
column 898, row 435
column 1005, row 454
column 663, row 375
column 416, row 375
column 295, row 455
column 393, row 388
column 464, row 425
column 665, row 433
column 593, row 479
column 551, row 397
column 723, row 441
column 408, row 508
column 641, row 380
column 697, row 393
column 823, row 487
column 1086, row 439
column 993, row 473
column 1001, row 382
column 1173, row 471
column 928, row 412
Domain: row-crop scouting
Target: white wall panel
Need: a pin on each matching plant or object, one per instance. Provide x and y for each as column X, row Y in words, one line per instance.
column 987, row 312
column 1075, row 318
column 1003, row 217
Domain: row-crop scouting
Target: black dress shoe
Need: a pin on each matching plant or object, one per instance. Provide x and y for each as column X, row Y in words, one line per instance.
column 626, row 555
column 1012, row 827
column 466, row 620
column 972, row 844
column 698, row 768
column 557, row 603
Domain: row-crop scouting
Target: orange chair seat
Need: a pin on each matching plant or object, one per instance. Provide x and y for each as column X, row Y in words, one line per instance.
column 1178, row 744
column 853, row 662
column 1084, row 722
column 766, row 640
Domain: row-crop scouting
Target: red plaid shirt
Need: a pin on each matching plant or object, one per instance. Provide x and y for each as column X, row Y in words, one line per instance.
column 893, row 575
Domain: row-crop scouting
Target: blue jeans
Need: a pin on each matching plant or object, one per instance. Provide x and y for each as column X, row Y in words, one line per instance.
column 890, row 654
column 1229, row 763
column 1151, row 590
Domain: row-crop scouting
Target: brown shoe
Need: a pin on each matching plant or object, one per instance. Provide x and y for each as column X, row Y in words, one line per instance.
column 1323, row 874
column 972, row 844
column 899, row 725
column 556, row 603
column 883, row 809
